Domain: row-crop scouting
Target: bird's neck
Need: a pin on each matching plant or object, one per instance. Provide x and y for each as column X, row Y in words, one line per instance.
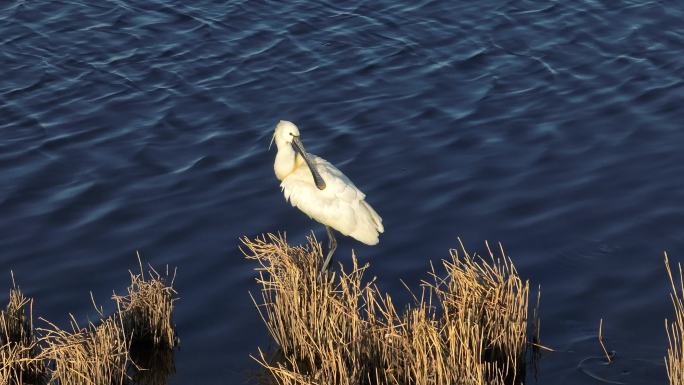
column 287, row 160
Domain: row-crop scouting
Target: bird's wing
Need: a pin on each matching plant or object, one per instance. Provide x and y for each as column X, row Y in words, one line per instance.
column 343, row 187
column 336, row 206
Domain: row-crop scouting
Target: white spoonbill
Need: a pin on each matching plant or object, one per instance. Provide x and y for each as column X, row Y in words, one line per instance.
column 322, row 192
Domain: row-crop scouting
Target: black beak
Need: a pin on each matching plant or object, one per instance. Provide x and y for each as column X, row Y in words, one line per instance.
column 297, row 144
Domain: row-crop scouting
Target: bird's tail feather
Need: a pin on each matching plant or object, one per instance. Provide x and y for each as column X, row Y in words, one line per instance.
column 375, row 217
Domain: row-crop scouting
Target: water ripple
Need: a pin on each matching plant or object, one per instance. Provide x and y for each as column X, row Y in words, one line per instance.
column 131, row 125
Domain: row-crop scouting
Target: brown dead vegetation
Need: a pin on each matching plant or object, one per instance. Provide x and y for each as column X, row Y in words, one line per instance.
column 20, row 360
column 103, row 352
column 468, row 325
column 674, row 362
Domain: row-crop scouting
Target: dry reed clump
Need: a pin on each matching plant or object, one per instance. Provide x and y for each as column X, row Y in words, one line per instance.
column 146, row 312
column 147, row 308
column 115, row 350
column 468, row 327
column 674, row 362
column 94, row 355
column 19, row 352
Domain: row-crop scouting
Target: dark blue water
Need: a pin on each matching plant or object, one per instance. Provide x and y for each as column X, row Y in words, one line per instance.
column 553, row 127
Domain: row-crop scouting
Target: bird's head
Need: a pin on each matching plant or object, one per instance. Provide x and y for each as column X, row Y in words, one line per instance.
column 286, row 135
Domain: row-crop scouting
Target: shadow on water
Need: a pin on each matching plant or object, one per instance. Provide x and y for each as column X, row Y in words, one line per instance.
column 156, row 365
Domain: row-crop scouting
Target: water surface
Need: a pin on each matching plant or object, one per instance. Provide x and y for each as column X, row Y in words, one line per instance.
column 553, row 127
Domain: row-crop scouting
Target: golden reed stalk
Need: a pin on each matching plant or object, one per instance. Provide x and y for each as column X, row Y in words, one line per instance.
column 468, row 326
column 674, row 362
column 101, row 352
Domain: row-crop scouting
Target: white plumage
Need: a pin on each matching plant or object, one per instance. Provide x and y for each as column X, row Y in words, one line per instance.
column 340, row 205
column 329, row 197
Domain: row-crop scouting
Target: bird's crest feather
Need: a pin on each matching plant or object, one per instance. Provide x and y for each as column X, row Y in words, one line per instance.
column 272, row 139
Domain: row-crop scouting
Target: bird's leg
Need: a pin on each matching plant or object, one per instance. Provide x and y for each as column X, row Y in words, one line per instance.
column 332, row 245
column 331, row 236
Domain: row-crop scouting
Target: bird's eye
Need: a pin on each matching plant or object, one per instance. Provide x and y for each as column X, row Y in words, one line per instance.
column 291, row 134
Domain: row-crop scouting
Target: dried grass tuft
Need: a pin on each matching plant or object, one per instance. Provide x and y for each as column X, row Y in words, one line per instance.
column 468, row 326
column 147, row 308
column 103, row 352
column 674, row 362
column 19, row 351
column 93, row 355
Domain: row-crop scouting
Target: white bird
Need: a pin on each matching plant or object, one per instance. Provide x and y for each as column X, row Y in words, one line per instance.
column 322, row 192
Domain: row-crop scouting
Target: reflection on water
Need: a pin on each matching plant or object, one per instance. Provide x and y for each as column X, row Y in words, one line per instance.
column 155, row 365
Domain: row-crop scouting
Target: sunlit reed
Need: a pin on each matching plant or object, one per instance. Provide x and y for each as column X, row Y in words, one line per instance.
column 468, row 325
column 112, row 350
column 674, row 362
